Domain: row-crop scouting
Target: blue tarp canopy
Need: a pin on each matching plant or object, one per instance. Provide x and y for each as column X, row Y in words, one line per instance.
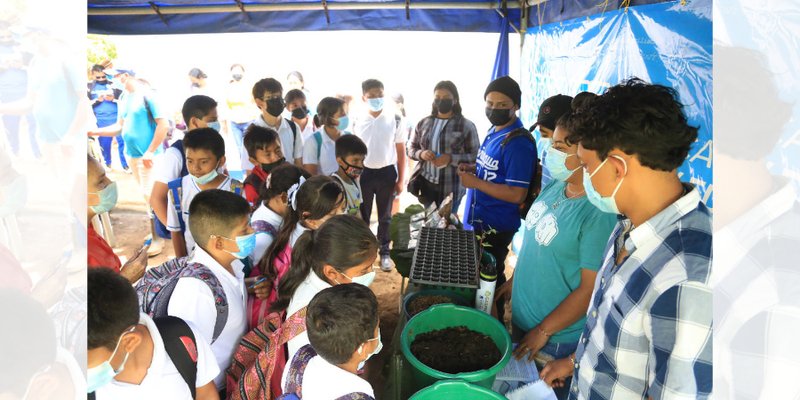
column 137, row 17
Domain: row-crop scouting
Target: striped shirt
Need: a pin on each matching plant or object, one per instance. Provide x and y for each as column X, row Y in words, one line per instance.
column 431, row 171
column 648, row 326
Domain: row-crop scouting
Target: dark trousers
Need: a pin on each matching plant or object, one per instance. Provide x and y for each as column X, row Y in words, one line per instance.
column 11, row 124
column 430, row 193
column 379, row 184
column 499, row 242
column 105, row 145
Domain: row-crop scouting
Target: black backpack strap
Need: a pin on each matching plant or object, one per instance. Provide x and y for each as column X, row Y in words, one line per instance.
column 294, row 131
column 181, row 346
column 91, row 396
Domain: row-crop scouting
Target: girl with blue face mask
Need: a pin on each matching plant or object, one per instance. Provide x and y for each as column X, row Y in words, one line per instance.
column 341, row 251
column 319, row 150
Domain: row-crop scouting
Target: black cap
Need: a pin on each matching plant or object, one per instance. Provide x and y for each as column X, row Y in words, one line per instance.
column 551, row 110
column 197, row 73
column 506, row 86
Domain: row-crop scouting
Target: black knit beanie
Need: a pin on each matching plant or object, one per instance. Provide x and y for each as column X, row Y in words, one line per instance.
column 506, row 86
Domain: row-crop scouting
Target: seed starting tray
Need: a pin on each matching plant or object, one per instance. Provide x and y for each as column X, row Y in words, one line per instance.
column 445, row 257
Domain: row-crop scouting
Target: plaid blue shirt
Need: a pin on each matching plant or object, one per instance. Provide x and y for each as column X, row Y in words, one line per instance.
column 648, row 328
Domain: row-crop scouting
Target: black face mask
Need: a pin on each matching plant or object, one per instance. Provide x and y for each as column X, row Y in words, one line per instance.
column 275, row 106
column 237, row 77
column 299, row 112
column 444, row 106
column 270, row 166
column 101, row 81
column 498, row 116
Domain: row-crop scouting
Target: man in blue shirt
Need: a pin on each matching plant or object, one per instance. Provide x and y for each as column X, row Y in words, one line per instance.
column 104, row 104
column 500, row 180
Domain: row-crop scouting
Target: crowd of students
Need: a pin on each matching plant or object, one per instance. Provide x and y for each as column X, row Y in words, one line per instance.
column 611, row 282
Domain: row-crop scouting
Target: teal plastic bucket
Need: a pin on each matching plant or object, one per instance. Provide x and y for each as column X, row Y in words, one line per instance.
column 456, row 390
column 447, row 316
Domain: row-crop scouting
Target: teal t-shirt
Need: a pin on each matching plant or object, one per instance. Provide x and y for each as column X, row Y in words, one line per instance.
column 138, row 128
column 561, row 236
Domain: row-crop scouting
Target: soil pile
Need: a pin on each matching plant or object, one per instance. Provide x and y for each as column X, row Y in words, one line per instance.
column 421, row 303
column 454, row 350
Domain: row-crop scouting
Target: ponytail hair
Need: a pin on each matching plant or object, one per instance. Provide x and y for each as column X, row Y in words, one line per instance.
column 343, row 242
column 279, row 181
column 318, row 196
column 326, row 109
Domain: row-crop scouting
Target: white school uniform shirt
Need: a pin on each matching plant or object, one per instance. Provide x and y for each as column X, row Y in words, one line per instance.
column 193, row 302
column 381, row 135
column 163, row 381
column 327, row 153
column 298, row 231
column 325, row 381
column 291, row 146
column 189, row 189
column 308, row 130
column 263, row 239
column 302, row 296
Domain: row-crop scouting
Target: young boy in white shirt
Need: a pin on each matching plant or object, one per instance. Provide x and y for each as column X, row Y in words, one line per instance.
column 128, row 352
column 350, row 154
column 205, row 152
column 268, row 95
column 342, row 326
column 220, row 223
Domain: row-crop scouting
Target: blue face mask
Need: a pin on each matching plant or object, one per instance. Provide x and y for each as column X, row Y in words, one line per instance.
column 104, row 373
column 375, row 104
column 108, row 199
column 543, row 146
column 246, row 245
column 205, row 179
column 555, row 162
column 604, row 204
column 344, row 121
column 215, row 126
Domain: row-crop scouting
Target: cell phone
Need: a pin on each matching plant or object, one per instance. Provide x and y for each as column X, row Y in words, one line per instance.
column 262, row 279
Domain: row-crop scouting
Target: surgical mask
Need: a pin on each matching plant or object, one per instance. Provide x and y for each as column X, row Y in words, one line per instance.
column 246, row 244
column 108, row 199
column 344, row 121
column 270, row 166
column 104, row 373
column 364, row 280
column 202, row 180
column 237, row 77
column 377, row 350
column 275, row 106
column 499, row 116
column 214, row 125
column 375, row 104
column 351, row 170
column 604, row 204
column 555, row 162
column 299, row 113
column 543, row 146
column 444, row 106
column 15, row 195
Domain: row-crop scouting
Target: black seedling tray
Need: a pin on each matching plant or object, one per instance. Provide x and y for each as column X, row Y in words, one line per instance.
column 445, row 257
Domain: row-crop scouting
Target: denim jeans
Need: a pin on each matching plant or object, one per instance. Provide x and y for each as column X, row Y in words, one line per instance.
column 554, row 350
column 237, row 131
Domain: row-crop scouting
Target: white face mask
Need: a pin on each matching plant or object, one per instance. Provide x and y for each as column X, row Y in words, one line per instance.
column 377, row 350
column 365, row 279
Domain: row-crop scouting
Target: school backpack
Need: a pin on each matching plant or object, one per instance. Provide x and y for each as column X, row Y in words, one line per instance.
column 294, row 381
column 156, row 286
column 258, row 309
column 175, row 192
column 161, row 229
column 181, row 347
column 535, row 184
column 257, row 365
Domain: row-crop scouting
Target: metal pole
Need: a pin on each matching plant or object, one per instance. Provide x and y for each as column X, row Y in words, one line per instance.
column 166, row 10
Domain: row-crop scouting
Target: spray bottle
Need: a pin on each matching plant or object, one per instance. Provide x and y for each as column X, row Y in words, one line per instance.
column 484, row 297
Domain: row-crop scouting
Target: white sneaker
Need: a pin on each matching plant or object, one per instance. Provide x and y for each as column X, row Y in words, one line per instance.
column 386, row 264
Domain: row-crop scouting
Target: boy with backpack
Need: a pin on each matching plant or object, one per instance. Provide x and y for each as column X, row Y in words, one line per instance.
column 198, row 112
column 350, row 154
column 133, row 356
column 268, row 95
column 342, row 326
column 263, row 147
column 207, row 289
column 205, row 152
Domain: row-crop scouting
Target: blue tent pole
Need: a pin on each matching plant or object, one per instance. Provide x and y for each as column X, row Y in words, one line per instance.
column 500, row 69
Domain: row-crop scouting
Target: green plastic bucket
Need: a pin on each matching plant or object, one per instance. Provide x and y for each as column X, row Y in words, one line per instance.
column 456, row 390
column 443, row 316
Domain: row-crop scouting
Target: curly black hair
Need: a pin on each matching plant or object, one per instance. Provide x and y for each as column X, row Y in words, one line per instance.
column 638, row 118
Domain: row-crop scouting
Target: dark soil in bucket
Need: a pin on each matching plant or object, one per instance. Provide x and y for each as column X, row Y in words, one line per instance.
column 421, row 303
column 455, row 350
